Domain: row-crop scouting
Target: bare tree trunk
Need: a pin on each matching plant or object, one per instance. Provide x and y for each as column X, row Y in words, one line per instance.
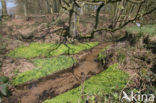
column 48, row 6
column 97, row 19
column 4, row 9
column 56, row 6
column 81, row 11
column 51, row 6
column 25, row 11
column 70, row 22
column 73, row 23
column 39, row 4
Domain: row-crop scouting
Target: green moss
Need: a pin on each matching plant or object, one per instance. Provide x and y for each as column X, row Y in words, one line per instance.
column 146, row 29
column 47, row 49
column 33, row 50
column 106, row 82
column 72, row 49
column 44, row 68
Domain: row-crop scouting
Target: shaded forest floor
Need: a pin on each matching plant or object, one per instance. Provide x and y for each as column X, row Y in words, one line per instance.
column 133, row 55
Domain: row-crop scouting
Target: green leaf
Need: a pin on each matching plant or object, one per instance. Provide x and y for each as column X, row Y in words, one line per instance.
column 4, row 89
column 4, row 79
column 115, row 95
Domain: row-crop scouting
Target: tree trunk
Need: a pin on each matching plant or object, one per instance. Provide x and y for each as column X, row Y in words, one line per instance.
column 56, row 6
column 73, row 24
column 25, row 11
column 4, row 9
column 48, row 6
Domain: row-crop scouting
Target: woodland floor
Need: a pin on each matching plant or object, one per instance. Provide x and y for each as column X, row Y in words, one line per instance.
column 60, row 82
column 90, row 63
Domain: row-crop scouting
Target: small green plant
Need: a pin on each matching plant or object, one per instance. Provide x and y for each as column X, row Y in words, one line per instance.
column 3, row 87
column 101, row 56
column 147, row 81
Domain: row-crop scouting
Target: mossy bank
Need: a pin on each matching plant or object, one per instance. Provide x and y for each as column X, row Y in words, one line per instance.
column 49, row 50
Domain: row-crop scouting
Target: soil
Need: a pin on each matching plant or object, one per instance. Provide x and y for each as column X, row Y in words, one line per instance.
column 12, row 66
column 58, row 83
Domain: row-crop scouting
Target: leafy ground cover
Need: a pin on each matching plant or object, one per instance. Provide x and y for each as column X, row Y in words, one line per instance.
column 105, row 82
column 3, row 87
column 33, row 50
column 146, row 29
column 48, row 49
column 43, row 68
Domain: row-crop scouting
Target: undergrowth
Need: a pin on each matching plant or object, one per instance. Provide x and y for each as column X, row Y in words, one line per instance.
column 33, row 50
column 48, row 50
column 108, row 81
column 100, row 56
column 139, row 60
column 43, row 68
column 3, row 87
column 145, row 29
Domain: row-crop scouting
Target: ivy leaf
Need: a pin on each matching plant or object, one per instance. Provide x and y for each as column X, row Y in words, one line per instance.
column 4, row 89
column 4, row 79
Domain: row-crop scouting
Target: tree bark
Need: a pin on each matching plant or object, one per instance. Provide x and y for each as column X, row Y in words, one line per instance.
column 73, row 22
column 25, row 11
column 4, row 9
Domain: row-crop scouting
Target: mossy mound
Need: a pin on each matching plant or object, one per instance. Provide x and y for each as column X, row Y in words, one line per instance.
column 106, row 82
column 145, row 29
column 43, row 68
column 47, row 49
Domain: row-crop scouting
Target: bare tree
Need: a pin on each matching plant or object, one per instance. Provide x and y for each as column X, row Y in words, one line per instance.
column 4, row 9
